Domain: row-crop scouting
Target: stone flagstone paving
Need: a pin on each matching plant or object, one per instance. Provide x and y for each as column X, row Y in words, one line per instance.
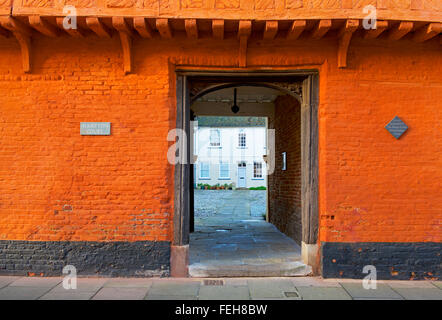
column 231, row 242
column 295, row 288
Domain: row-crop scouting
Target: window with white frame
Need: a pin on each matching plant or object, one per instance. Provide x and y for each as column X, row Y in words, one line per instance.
column 224, row 170
column 241, row 140
column 257, row 170
column 215, row 138
column 204, row 170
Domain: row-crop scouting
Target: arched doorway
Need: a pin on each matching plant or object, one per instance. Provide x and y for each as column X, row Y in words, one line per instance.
column 300, row 86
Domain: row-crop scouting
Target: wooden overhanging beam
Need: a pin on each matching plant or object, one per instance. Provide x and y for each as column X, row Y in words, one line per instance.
column 22, row 32
column 381, row 26
column 270, row 30
column 400, row 30
column 296, row 29
column 143, row 27
column 191, row 28
column 244, row 32
column 76, row 33
column 427, row 32
column 218, row 29
column 43, row 26
column 321, row 28
column 163, row 27
column 98, row 27
column 126, row 34
column 344, row 38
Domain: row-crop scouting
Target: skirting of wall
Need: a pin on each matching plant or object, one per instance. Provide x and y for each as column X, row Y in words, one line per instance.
column 393, row 260
column 115, row 259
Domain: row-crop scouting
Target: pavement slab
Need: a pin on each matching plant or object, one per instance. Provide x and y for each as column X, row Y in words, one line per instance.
column 68, row 295
column 224, row 293
column 83, row 285
column 314, row 282
column 382, row 291
column 171, row 288
column 420, row 293
column 22, row 293
column 128, row 283
column 5, row 280
column 154, row 297
column 324, row 293
column 46, row 282
column 407, row 284
column 121, row 294
column 271, row 288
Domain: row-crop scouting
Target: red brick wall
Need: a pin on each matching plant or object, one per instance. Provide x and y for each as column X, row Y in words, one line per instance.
column 285, row 185
column 372, row 186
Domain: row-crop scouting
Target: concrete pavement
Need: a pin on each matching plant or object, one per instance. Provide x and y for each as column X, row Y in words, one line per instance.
column 296, row 288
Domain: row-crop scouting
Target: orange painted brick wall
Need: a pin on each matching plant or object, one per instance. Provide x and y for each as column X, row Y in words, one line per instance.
column 372, row 186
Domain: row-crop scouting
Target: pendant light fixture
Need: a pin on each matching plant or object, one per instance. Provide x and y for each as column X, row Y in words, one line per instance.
column 235, row 108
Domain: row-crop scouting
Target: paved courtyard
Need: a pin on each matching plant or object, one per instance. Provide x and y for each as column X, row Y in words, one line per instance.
column 209, row 203
column 231, row 242
column 297, row 288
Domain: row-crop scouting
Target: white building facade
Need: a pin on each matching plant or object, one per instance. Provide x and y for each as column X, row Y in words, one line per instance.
column 229, row 155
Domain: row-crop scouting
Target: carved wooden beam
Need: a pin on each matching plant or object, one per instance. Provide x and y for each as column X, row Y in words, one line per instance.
column 98, row 27
column 296, row 29
column 345, row 35
column 77, row 33
column 191, row 28
column 381, row 26
column 42, row 26
column 427, row 32
column 143, row 27
column 244, row 32
column 126, row 34
column 22, row 33
column 164, row 28
column 218, row 29
column 270, row 31
column 400, row 30
column 321, row 29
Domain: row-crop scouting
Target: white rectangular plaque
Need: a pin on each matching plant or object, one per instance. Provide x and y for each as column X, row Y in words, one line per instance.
column 95, row 128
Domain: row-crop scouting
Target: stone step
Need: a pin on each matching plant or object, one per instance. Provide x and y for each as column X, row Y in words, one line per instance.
column 285, row 269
